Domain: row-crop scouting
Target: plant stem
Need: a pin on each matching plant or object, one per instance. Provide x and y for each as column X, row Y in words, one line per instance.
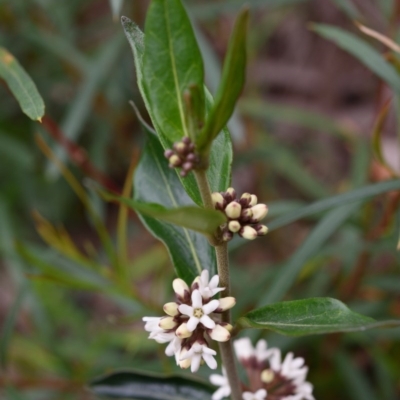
column 221, row 251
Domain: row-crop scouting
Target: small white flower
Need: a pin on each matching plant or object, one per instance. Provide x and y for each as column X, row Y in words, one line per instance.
column 245, row 350
column 259, row 395
column 208, row 288
column 224, row 389
column 174, row 346
column 196, row 353
column 199, row 313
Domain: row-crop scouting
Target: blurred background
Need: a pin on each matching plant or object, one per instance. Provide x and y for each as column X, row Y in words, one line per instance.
column 306, row 128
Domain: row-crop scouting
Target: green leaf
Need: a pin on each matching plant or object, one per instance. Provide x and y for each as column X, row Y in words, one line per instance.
column 334, row 201
column 310, row 316
column 219, row 171
column 140, row 386
column 233, row 78
column 21, row 85
column 197, row 219
column 171, row 63
column 155, row 182
column 362, row 51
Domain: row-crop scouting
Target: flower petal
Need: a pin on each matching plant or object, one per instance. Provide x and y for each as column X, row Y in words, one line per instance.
column 195, row 362
column 210, row 360
column 192, row 324
column 206, row 321
column 197, row 300
column 211, row 306
column 185, row 310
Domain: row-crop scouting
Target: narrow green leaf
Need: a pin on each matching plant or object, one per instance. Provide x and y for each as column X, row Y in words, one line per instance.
column 21, row 85
column 171, row 63
column 334, row 201
column 9, row 323
column 197, row 219
column 219, row 172
column 155, row 182
column 362, row 51
column 140, row 386
column 348, row 8
column 310, row 316
column 233, row 78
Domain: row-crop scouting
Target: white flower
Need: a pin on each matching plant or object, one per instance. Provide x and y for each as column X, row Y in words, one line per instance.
column 208, row 288
column 199, row 313
column 224, row 389
column 196, row 353
column 174, row 346
column 259, row 395
column 245, row 350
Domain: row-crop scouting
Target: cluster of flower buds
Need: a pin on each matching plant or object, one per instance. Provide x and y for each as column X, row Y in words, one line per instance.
column 182, row 155
column 269, row 377
column 243, row 214
column 192, row 322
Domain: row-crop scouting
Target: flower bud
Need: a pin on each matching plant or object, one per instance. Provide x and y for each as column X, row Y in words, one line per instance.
column 261, row 230
column 180, row 287
column 217, row 199
column 234, row 226
column 225, row 303
column 231, row 193
column 259, row 212
column 246, row 214
column 167, row 323
column 171, row 309
column 182, row 332
column 233, row 210
column 180, row 147
column 227, row 236
column 245, row 199
column 247, row 232
column 186, row 140
column 168, row 153
column 184, row 363
column 253, row 200
column 219, row 333
column 175, row 161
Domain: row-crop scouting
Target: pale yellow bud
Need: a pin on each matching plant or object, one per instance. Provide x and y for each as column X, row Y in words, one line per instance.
column 220, row 334
column 167, row 323
column 233, row 210
column 180, row 287
column 262, row 230
column 234, row 226
column 253, row 200
column 174, row 160
column 259, row 212
column 182, row 332
column 171, row 309
column 267, row 376
column 225, row 303
column 217, row 199
column 248, row 232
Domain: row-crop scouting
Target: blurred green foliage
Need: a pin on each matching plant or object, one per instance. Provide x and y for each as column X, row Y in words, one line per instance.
column 72, row 298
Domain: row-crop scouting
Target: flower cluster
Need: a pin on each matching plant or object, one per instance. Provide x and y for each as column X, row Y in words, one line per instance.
column 192, row 321
column 269, row 377
column 182, row 156
column 243, row 214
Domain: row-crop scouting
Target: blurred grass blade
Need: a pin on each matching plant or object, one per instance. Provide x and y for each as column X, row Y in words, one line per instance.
column 377, row 133
column 81, row 106
column 9, row 324
column 288, row 274
column 334, row 201
column 197, row 219
column 356, row 384
column 116, row 7
column 362, row 51
column 233, row 77
column 21, row 86
column 348, row 8
column 378, row 36
column 318, row 315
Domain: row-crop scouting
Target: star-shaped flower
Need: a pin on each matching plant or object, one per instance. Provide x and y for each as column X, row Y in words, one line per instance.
column 198, row 312
column 197, row 352
column 208, row 288
column 259, row 395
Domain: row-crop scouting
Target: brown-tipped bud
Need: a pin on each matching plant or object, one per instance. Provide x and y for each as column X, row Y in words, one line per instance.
column 175, row 161
column 180, row 287
column 190, row 147
column 168, row 153
column 180, row 147
column 187, row 166
column 171, row 309
column 233, row 210
column 259, row 212
column 186, row 140
column 253, row 200
column 234, row 226
column 246, row 214
column 191, row 157
column 217, row 199
column 261, row 230
column 227, row 236
column 245, row 199
column 227, row 326
column 219, row 333
column 247, row 232
column 225, row 303
column 182, row 332
column 167, row 323
column 184, row 363
column 230, row 194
